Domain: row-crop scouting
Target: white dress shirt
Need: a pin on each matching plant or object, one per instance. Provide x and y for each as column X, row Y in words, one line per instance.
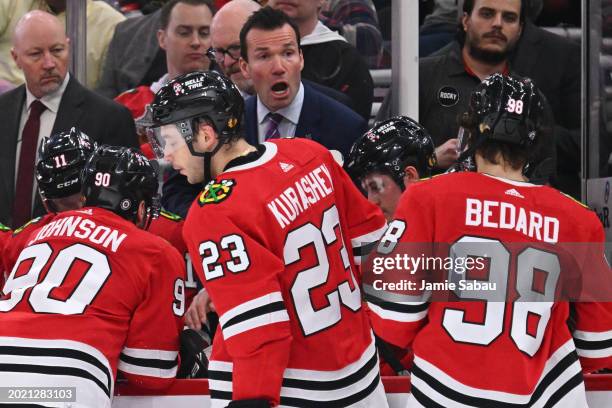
column 291, row 116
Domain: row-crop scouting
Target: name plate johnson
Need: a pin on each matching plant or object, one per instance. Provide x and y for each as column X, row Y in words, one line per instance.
column 37, row 394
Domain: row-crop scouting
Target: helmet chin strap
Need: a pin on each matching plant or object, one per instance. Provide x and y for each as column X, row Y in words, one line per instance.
column 208, row 162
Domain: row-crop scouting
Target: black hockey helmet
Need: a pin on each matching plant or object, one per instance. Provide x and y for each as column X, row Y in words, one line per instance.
column 506, row 109
column 61, row 159
column 389, row 147
column 118, row 179
column 202, row 94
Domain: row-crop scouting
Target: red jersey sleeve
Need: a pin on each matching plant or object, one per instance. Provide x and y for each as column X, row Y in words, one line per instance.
column 241, row 276
column 397, row 316
column 150, row 355
column 593, row 332
column 365, row 221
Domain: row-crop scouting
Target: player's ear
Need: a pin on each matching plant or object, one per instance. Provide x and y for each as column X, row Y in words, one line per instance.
column 411, row 174
column 141, row 215
column 205, row 138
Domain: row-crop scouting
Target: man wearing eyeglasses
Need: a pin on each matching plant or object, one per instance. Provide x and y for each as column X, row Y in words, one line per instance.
column 225, row 40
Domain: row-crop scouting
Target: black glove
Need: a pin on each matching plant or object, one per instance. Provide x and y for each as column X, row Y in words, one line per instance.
column 250, row 403
column 194, row 363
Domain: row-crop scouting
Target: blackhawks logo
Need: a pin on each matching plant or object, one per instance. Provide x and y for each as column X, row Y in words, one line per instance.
column 27, row 224
column 216, row 192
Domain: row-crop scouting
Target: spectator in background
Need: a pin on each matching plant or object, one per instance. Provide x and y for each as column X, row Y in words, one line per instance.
column 284, row 106
column 489, row 33
column 184, row 34
column 50, row 101
column 439, row 27
column 328, row 59
column 134, row 57
column 225, row 41
column 355, row 20
column 492, row 29
column 101, row 22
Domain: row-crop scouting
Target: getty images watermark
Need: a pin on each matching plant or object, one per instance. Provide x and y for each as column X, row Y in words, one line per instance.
column 407, row 264
column 478, row 268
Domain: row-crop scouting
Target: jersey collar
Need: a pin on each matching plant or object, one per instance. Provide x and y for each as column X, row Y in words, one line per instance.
column 265, row 152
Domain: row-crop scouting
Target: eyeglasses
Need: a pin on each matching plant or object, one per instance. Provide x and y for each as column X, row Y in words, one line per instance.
column 218, row 54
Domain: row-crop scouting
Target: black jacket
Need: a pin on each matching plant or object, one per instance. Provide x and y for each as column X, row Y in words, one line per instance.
column 102, row 119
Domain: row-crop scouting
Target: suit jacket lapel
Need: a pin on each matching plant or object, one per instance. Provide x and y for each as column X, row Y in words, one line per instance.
column 71, row 106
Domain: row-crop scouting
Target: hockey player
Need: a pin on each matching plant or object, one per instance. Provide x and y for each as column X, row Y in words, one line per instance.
column 61, row 159
column 487, row 352
column 388, row 158
column 92, row 293
column 271, row 236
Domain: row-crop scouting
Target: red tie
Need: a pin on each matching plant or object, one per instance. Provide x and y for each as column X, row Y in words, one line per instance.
column 22, row 207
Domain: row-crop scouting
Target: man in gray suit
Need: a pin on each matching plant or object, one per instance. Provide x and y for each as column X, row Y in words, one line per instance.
column 50, row 101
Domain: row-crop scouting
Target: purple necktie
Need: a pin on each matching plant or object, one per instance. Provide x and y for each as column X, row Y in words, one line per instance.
column 274, row 119
column 22, row 207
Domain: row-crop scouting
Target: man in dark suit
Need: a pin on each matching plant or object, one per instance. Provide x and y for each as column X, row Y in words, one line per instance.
column 49, row 102
column 284, row 106
column 321, row 119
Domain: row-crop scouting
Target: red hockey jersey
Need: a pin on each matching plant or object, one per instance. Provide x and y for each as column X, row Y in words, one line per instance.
column 273, row 237
column 5, row 234
column 89, row 294
column 496, row 353
column 170, row 227
column 19, row 239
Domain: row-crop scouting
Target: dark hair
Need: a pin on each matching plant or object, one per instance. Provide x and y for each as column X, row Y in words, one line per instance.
column 166, row 11
column 468, row 7
column 266, row 19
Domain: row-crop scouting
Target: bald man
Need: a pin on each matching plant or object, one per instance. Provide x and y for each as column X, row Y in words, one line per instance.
column 225, row 40
column 101, row 20
column 50, row 101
